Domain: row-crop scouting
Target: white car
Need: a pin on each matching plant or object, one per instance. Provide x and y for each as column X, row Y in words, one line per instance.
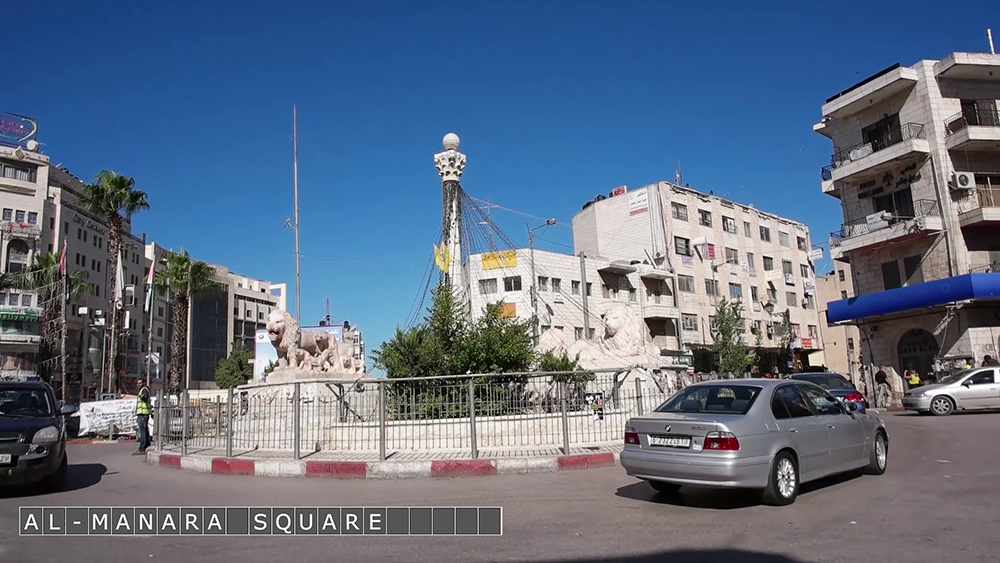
column 972, row 389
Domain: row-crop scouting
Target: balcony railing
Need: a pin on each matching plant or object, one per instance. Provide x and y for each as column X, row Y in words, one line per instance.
column 858, row 227
column 993, row 268
column 972, row 118
column 843, row 157
column 975, row 199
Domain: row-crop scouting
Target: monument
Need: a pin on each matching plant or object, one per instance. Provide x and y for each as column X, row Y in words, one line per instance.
column 307, row 354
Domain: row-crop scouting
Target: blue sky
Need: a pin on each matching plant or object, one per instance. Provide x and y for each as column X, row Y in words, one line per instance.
column 555, row 102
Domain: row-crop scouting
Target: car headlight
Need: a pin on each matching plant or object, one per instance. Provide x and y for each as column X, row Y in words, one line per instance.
column 46, row 435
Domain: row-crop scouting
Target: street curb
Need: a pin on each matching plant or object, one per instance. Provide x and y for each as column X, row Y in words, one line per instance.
column 89, row 442
column 437, row 469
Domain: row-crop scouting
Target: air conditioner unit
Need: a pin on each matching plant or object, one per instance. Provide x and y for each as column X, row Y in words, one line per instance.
column 963, row 180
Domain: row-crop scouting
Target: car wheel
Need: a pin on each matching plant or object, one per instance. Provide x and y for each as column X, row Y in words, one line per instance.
column 879, row 457
column 665, row 488
column 57, row 481
column 783, row 481
column 942, row 406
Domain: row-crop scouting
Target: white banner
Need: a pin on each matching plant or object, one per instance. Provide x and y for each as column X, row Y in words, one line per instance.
column 638, row 202
column 97, row 417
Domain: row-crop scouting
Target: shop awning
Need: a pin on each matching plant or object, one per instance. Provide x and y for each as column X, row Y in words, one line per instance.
column 920, row 296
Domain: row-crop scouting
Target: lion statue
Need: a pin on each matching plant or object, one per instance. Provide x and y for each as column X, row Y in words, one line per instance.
column 284, row 333
column 622, row 333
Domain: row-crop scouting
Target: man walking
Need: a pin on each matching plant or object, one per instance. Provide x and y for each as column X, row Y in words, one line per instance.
column 142, row 411
column 883, row 395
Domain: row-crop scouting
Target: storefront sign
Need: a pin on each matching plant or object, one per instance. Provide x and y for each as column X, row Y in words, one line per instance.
column 18, row 317
column 638, row 202
column 19, row 338
column 89, row 224
column 17, row 130
column 807, row 343
column 21, row 229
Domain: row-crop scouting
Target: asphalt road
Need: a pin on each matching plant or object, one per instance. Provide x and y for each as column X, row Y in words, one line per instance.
column 937, row 501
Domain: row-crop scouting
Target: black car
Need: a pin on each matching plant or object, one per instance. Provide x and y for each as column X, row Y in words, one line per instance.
column 32, row 436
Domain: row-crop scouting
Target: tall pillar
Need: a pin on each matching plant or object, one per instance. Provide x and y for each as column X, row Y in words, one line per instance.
column 450, row 165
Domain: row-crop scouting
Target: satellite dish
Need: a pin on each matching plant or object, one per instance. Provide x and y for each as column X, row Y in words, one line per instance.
column 32, row 145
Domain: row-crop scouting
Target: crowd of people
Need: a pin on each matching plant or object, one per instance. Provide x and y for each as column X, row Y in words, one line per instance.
column 913, row 379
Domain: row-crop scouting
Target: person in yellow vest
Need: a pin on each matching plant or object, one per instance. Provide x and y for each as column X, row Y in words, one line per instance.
column 913, row 378
column 142, row 411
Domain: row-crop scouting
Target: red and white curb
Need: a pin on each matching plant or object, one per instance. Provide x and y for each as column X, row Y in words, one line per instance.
column 88, row 442
column 381, row 469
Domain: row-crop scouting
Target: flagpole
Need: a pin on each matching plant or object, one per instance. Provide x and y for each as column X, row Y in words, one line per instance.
column 62, row 336
column 149, row 339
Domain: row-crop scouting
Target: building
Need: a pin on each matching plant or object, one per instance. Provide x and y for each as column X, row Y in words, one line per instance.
column 671, row 253
column 840, row 342
column 916, row 166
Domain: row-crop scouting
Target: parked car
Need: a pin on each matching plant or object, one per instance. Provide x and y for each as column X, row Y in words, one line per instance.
column 765, row 434
column 837, row 385
column 972, row 389
column 32, row 436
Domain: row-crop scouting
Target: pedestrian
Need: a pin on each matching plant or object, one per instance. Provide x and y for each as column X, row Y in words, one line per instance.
column 989, row 360
column 142, row 411
column 883, row 392
column 913, row 378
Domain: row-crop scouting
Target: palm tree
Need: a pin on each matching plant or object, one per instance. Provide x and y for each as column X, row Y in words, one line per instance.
column 44, row 279
column 184, row 278
column 114, row 197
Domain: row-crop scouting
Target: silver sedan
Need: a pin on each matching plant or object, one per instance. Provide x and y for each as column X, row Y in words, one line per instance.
column 765, row 434
column 972, row 389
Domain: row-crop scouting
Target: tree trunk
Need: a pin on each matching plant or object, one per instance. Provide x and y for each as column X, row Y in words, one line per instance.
column 114, row 245
column 178, row 341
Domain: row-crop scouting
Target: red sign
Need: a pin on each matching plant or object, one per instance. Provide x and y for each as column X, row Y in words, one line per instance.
column 711, row 252
column 620, row 190
column 807, row 343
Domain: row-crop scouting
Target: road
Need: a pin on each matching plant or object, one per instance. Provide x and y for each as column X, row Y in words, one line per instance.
column 937, row 501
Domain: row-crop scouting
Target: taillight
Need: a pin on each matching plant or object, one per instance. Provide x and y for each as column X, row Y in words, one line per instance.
column 854, row 398
column 721, row 442
column 631, row 436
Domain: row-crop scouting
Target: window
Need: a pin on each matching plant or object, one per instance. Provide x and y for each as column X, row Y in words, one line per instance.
column 792, row 298
column 159, row 331
column 14, row 297
column 732, row 256
column 512, row 283
column 575, row 287
column 543, row 283
column 720, row 399
column 590, row 289
column 754, row 296
column 50, row 247
column 159, row 311
column 765, row 234
column 8, row 214
column 810, row 302
column 850, row 344
column 711, row 287
column 729, row 225
column 840, row 275
column 813, row 332
column 984, row 377
column 19, row 216
column 712, row 327
column 578, row 333
column 556, row 285
column 26, row 300
column 794, row 331
column 890, row 275
column 746, row 229
column 704, row 218
column 32, row 218
column 786, row 267
column 750, row 260
column 678, row 211
column 804, row 270
column 591, row 333
column 52, row 223
column 735, row 291
column 249, row 314
column 689, row 322
column 682, row 246
column 823, row 402
column 17, row 172
column 609, row 292
column 912, row 271
column 772, row 295
column 685, row 284
column 632, row 294
column 783, row 239
column 768, row 263
column 843, row 295
column 260, row 316
column 488, row 287
column 800, row 242
column 795, row 403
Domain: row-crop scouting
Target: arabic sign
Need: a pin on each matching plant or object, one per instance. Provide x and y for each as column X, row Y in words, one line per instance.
column 21, row 229
column 638, row 202
column 620, row 190
column 98, row 416
column 816, row 254
column 17, row 130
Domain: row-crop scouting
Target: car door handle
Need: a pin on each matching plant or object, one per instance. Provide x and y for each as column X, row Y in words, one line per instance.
column 793, row 429
column 830, row 426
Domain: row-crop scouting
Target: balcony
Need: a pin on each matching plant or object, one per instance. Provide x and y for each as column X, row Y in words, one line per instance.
column 876, row 156
column 660, row 311
column 979, row 207
column 872, row 231
column 968, row 66
column 973, row 130
column 619, row 268
column 870, row 92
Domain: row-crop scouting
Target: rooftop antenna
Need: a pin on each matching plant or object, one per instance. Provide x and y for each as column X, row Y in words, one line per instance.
column 989, row 36
column 678, row 177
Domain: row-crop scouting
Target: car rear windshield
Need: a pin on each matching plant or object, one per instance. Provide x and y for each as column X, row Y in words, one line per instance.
column 827, row 381
column 25, row 401
column 722, row 399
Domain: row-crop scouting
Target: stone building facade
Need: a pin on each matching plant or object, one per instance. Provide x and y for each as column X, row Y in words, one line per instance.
column 841, row 342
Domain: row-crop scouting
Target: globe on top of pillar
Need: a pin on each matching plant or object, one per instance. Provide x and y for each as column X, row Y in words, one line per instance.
column 450, row 142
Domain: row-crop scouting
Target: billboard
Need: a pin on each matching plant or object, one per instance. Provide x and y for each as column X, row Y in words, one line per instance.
column 17, row 130
column 265, row 352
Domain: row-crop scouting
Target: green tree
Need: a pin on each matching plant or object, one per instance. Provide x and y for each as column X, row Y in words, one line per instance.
column 43, row 278
column 735, row 357
column 495, row 344
column 113, row 197
column 236, row 369
column 184, row 278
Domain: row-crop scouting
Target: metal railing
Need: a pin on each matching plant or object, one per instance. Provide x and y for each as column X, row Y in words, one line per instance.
column 382, row 418
column 921, row 208
column 978, row 198
column 972, row 118
column 843, row 157
column 992, row 268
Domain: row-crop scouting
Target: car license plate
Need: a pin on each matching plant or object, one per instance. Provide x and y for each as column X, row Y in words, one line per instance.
column 4, row 459
column 670, row 441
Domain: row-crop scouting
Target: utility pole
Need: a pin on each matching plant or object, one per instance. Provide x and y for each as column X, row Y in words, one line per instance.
column 149, row 342
column 534, row 280
column 295, row 176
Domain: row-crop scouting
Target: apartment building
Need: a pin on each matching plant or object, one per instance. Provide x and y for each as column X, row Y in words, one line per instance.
column 841, row 343
column 916, row 166
column 671, row 253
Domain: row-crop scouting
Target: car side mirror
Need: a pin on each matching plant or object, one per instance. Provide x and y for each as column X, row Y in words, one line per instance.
column 67, row 410
column 852, row 407
column 967, row 383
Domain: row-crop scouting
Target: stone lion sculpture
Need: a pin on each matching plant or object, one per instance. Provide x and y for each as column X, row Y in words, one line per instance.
column 621, row 338
column 284, row 333
column 314, row 350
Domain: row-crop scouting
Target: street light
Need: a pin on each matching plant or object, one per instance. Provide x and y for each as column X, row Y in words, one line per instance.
column 534, row 293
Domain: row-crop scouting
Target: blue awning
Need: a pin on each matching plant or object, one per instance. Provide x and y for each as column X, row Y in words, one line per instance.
column 930, row 294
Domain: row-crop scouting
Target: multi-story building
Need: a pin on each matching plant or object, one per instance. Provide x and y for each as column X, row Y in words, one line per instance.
column 671, row 253
column 916, row 166
column 840, row 342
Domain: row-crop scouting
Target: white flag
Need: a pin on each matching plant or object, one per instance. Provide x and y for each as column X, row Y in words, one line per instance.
column 120, row 285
